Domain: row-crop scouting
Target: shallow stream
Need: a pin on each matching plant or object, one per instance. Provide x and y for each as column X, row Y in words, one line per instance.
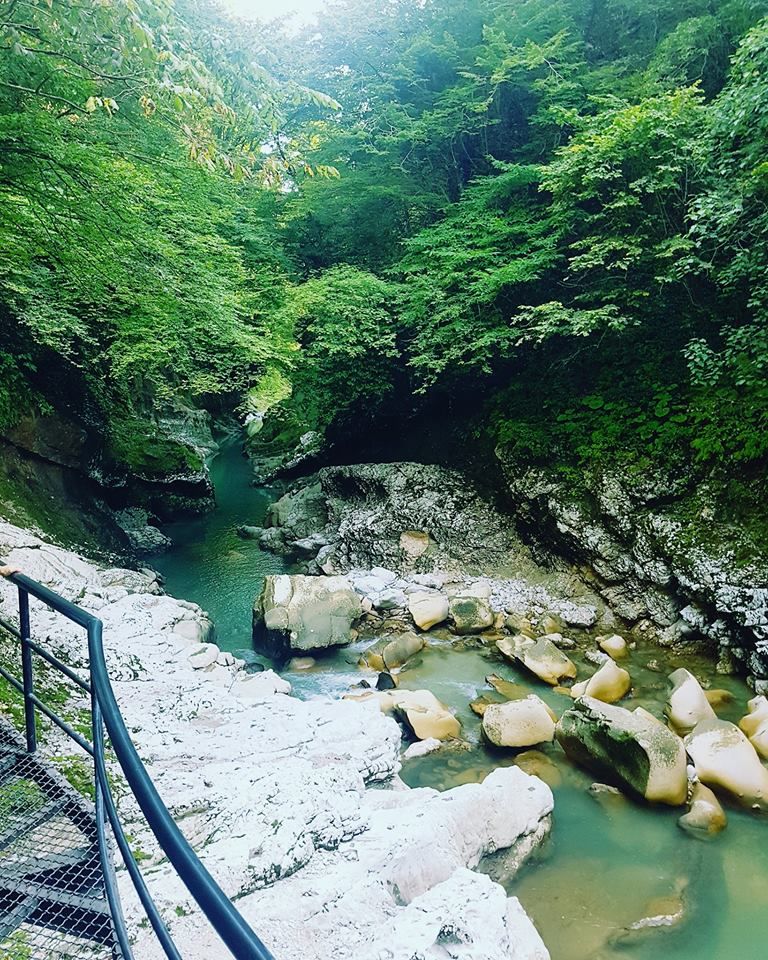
column 609, row 862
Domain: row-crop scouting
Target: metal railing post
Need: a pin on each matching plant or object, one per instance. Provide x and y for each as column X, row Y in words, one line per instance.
column 27, row 671
column 105, row 859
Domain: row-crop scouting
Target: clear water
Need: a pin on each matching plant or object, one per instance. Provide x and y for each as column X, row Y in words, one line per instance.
column 609, row 862
column 210, row 564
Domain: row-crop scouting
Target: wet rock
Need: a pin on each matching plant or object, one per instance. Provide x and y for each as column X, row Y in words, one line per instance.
column 755, row 725
column 390, row 653
column 718, row 698
column 726, row 760
column 561, row 642
column 550, row 624
column 662, row 913
column 507, row 688
column 301, row 663
column 609, row 684
column 598, row 789
column 597, row 657
column 687, row 703
column 705, row 817
column 304, row 613
column 424, row 714
column 538, row 764
column 385, row 681
column 480, row 704
column 470, row 614
column 421, row 748
column 427, row 717
column 248, row 532
column 401, row 649
column 144, row 537
column 428, row 609
column 519, row 723
column 540, row 656
column 630, row 747
column 520, row 624
column 614, row 645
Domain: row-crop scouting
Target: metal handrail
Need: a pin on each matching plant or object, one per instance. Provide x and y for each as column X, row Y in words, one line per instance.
column 229, row 925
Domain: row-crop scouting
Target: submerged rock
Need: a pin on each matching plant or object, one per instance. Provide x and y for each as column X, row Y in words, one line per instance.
column 538, row 764
column 631, row 747
column 726, row 760
column 705, row 817
column 304, row 613
column 687, row 703
column 507, row 688
column 540, row 656
column 519, row 723
column 609, row 684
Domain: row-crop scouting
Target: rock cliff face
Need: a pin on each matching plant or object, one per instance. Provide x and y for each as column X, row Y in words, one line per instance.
column 421, row 516
column 158, row 463
column 689, row 572
column 272, row 791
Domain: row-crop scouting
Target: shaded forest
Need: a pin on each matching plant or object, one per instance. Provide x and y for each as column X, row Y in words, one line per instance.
column 548, row 216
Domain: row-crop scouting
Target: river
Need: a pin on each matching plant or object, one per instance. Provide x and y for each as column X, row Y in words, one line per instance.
column 609, row 862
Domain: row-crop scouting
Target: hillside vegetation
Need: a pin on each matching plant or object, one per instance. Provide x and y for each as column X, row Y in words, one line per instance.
column 551, row 212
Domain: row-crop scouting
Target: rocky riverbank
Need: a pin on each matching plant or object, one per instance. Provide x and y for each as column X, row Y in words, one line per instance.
column 275, row 793
column 658, row 553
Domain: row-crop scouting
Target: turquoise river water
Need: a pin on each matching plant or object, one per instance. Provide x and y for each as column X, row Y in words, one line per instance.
column 609, row 862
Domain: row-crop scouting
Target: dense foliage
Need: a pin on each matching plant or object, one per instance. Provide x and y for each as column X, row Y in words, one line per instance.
column 139, row 256
column 569, row 200
column 560, row 205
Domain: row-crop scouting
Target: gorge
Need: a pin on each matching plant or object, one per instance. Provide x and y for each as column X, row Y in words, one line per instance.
column 393, row 385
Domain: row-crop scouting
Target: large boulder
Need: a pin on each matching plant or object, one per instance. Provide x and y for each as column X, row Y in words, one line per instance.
column 632, row 748
column 755, row 725
column 540, row 656
column 726, row 760
column 428, row 608
column 687, row 703
column 389, row 653
column 519, row 723
column 609, row 684
column 304, row 613
column 470, row 614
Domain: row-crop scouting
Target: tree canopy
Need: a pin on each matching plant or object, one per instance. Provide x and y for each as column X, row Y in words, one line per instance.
column 563, row 201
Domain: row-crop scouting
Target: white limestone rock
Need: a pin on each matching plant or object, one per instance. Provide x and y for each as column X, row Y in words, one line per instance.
column 470, row 913
column 271, row 790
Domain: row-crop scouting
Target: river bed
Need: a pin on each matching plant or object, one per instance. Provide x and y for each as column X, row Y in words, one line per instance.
column 609, row 862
